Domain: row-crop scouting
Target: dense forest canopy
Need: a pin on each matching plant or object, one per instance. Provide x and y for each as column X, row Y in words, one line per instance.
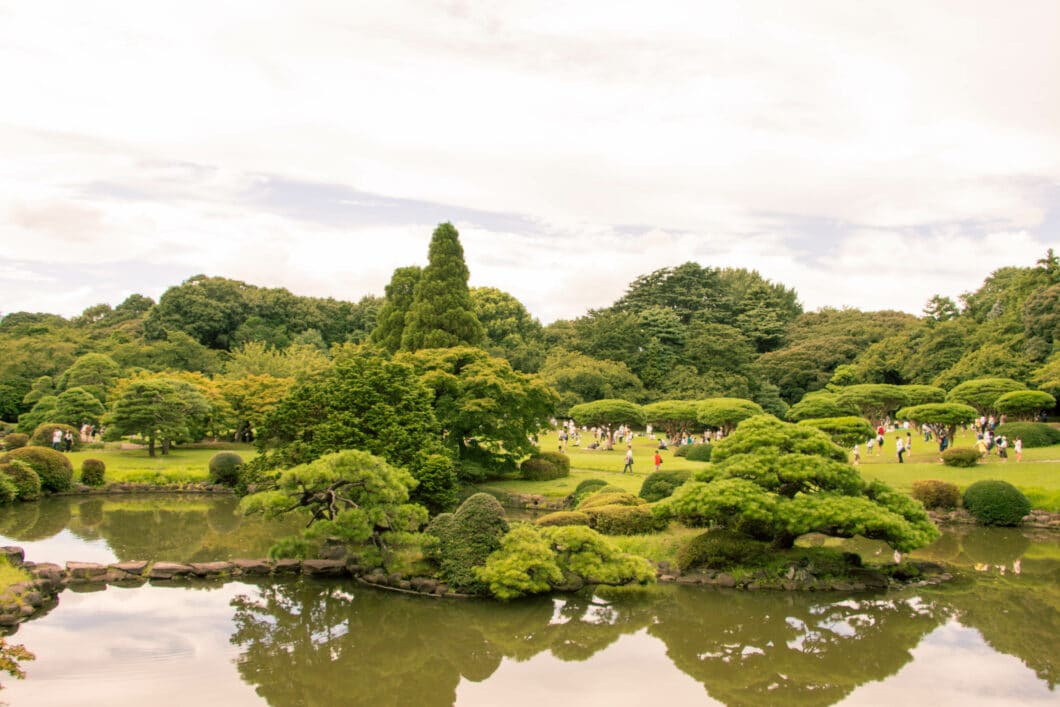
column 686, row 332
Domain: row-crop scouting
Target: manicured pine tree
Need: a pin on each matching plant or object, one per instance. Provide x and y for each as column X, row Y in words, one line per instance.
column 442, row 314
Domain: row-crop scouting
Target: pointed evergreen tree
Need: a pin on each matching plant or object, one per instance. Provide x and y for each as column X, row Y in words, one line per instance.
column 390, row 323
column 442, row 314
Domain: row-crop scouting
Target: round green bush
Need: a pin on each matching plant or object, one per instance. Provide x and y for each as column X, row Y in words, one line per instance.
column 720, row 549
column 622, row 498
column 1033, row 434
column 660, row 484
column 42, row 435
column 556, row 458
column 996, row 502
column 936, row 494
column 545, row 466
column 92, row 471
column 583, row 489
column 225, row 467
column 698, row 452
column 466, row 538
column 15, row 440
column 27, row 483
column 54, row 469
column 683, row 450
column 563, row 518
column 622, row 520
column 962, row 457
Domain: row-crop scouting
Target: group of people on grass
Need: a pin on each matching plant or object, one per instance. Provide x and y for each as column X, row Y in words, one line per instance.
column 986, row 440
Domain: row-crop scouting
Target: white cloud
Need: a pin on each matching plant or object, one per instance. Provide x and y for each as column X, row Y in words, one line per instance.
column 728, row 134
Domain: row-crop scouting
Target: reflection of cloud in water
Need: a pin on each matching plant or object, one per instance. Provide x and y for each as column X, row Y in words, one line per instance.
column 158, row 646
column 956, row 667
column 64, row 547
column 633, row 671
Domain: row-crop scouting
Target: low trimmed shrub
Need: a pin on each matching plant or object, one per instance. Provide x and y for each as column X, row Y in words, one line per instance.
column 1033, row 434
column 962, row 457
column 92, row 471
column 224, row 468
column 563, row 518
column 27, row 483
column 698, row 452
column 661, row 484
column 996, row 502
column 936, row 494
column 584, row 489
column 622, row 519
column 601, row 498
column 545, row 466
column 720, row 549
column 42, row 435
column 682, row 451
column 54, row 469
column 15, row 440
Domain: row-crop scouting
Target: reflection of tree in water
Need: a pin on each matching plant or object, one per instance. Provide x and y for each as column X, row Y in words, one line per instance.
column 154, row 533
column 754, row 648
column 323, row 643
column 1017, row 614
column 35, row 521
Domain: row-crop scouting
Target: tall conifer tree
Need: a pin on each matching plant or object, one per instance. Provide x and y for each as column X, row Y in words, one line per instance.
column 390, row 324
column 442, row 314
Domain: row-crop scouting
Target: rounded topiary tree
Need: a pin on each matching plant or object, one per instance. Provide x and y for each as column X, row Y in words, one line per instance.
column 818, row 405
column 725, row 413
column 225, row 468
column 466, row 538
column 92, row 471
column 676, row 417
column 15, row 440
column 54, row 469
column 934, row 493
column 545, row 466
column 982, row 393
column 845, row 431
column 940, row 418
column 585, row 488
column 1024, row 404
column 608, row 414
column 995, row 502
column 24, row 477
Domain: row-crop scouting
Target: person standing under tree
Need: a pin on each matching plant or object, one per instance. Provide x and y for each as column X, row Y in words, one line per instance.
column 658, row 460
column 629, row 460
column 900, row 446
column 1019, row 449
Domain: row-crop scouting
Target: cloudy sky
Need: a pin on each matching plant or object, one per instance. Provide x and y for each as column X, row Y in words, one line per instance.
column 867, row 154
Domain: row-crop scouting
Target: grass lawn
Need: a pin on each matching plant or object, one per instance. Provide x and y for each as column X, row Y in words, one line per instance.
column 597, row 464
column 134, row 465
column 1038, row 475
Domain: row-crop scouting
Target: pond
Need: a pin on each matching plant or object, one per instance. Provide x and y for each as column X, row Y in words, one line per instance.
column 989, row 638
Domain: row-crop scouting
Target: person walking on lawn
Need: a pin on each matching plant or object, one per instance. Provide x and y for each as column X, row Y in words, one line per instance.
column 629, row 460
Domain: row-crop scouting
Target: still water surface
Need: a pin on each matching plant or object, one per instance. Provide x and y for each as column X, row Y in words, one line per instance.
column 987, row 639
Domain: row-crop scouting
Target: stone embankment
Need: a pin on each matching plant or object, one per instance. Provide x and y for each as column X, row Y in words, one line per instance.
column 47, row 580
column 1034, row 519
column 800, row 579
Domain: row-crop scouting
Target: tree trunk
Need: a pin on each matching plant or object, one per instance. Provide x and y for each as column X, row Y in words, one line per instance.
column 165, row 446
column 151, row 446
column 783, row 541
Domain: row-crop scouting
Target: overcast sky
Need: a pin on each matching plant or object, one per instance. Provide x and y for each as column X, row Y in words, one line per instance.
column 866, row 154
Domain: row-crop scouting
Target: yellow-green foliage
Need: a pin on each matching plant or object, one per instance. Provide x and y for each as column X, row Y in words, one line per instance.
column 533, row 560
column 618, row 519
column 602, row 498
column 563, row 518
column 934, row 493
